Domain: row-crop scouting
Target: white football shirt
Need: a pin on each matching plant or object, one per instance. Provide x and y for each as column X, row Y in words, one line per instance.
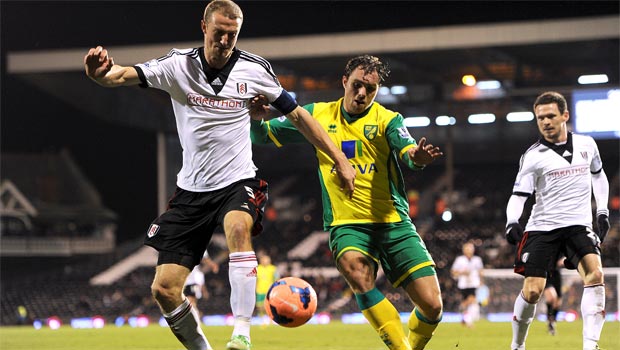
column 211, row 111
column 473, row 265
column 561, row 177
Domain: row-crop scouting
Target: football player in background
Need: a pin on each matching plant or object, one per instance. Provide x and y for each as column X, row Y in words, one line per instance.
column 195, row 288
column 563, row 170
column 467, row 270
column 266, row 275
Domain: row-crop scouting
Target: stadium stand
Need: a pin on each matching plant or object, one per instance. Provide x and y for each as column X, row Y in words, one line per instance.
column 62, row 285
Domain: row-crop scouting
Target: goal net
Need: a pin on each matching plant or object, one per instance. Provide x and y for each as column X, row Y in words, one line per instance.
column 504, row 285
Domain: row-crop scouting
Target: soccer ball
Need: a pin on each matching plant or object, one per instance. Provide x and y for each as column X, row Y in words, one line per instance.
column 290, row 302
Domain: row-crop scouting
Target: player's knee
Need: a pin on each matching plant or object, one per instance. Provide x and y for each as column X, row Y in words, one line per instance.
column 163, row 292
column 594, row 277
column 531, row 295
column 358, row 272
column 238, row 235
column 433, row 309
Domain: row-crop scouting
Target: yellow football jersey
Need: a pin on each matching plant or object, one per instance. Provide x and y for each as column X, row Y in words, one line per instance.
column 372, row 142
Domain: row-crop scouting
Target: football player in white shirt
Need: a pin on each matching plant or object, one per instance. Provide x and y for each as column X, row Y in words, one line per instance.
column 563, row 170
column 210, row 88
column 194, row 288
column 467, row 270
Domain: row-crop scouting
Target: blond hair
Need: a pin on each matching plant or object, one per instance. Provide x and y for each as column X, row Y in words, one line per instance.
column 225, row 7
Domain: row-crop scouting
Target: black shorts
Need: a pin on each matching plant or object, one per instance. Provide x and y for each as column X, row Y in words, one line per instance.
column 181, row 234
column 466, row 292
column 190, row 290
column 554, row 279
column 539, row 251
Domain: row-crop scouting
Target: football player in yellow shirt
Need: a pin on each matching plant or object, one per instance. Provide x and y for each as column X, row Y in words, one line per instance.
column 372, row 228
column 266, row 275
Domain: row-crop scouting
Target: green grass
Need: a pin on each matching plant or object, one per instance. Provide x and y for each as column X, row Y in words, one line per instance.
column 336, row 336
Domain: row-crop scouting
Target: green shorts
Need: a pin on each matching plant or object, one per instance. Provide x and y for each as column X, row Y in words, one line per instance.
column 260, row 298
column 397, row 247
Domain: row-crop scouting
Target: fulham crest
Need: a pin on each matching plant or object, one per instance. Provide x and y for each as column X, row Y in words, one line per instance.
column 153, row 229
column 242, row 88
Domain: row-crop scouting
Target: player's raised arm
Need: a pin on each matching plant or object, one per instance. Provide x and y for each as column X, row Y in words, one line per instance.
column 312, row 130
column 423, row 154
column 101, row 69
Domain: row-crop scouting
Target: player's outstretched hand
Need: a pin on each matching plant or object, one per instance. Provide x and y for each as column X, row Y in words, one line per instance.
column 259, row 107
column 602, row 222
column 423, row 154
column 514, row 233
column 97, row 63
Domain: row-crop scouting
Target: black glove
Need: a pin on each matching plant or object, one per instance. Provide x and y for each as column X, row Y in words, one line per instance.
column 514, row 232
column 602, row 222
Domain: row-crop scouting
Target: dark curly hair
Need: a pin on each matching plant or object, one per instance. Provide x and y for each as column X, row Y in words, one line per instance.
column 369, row 64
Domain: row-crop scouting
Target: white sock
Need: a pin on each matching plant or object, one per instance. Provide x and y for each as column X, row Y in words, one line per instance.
column 474, row 311
column 522, row 317
column 242, row 276
column 185, row 325
column 593, row 313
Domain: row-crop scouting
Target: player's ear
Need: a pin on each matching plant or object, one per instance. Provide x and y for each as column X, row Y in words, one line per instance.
column 344, row 81
column 203, row 26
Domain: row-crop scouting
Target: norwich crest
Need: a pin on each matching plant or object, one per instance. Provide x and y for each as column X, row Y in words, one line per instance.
column 370, row 131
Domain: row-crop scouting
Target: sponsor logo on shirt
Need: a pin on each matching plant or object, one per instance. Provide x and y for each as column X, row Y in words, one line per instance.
column 206, row 101
column 351, row 148
column 568, row 172
column 362, row 168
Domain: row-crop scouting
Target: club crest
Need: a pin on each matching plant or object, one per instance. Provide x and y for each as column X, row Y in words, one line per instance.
column 242, row 88
column 152, row 231
column 370, row 131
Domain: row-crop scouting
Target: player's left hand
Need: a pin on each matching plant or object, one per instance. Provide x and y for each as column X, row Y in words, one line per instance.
column 423, row 154
column 602, row 222
column 514, row 233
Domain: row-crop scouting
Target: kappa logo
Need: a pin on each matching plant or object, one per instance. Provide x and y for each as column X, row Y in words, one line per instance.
column 525, row 256
column 152, row 231
column 593, row 237
column 250, row 191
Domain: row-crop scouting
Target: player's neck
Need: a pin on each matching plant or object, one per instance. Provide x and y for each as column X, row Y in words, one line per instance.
column 216, row 62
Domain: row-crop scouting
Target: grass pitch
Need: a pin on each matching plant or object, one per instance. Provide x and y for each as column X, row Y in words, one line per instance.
column 335, row 336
